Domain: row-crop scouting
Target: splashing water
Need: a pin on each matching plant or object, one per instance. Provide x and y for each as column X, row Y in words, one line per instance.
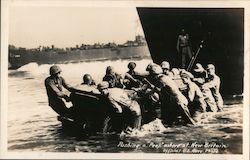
column 31, row 67
column 32, row 124
column 155, row 126
column 73, row 72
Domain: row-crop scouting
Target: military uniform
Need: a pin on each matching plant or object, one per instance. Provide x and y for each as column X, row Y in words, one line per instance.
column 124, row 108
column 114, row 80
column 173, row 102
column 183, row 47
column 196, row 101
column 122, row 101
column 132, row 79
column 199, row 79
column 213, row 83
column 55, row 94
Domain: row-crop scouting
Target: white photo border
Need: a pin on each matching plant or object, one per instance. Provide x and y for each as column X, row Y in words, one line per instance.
column 5, row 4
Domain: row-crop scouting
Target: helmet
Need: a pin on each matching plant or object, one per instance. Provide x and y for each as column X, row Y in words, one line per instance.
column 103, row 85
column 198, row 68
column 149, row 66
column 165, row 65
column 109, row 70
column 176, row 71
column 131, row 65
column 54, row 70
column 156, row 69
column 210, row 66
column 87, row 78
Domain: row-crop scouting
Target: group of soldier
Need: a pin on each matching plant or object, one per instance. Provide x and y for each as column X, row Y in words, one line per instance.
column 179, row 95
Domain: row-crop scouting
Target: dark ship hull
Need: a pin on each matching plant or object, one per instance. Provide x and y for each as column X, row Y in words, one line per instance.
column 222, row 30
column 20, row 58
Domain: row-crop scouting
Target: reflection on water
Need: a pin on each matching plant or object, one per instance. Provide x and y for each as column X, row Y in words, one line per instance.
column 33, row 126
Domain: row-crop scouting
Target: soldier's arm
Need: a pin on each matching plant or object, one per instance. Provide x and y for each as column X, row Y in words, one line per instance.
column 120, row 79
column 213, row 83
column 199, row 80
column 67, row 86
column 128, row 76
column 55, row 89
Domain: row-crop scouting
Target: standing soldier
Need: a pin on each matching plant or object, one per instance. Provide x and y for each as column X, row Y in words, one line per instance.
column 213, row 82
column 54, row 85
column 184, row 48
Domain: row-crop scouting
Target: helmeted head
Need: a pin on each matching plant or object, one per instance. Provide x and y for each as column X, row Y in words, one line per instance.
column 87, row 79
column 198, row 68
column 149, row 67
column 156, row 69
column 109, row 70
column 175, row 72
column 103, row 85
column 210, row 69
column 165, row 65
column 183, row 32
column 54, row 70
column 131, row 65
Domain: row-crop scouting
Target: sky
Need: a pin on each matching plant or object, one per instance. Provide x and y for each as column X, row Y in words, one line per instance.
column 31, row 26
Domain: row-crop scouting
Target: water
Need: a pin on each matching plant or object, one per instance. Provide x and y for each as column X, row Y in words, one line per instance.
column 33, row 125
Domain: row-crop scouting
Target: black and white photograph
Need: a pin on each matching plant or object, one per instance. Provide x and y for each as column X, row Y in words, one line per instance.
column 148, row 79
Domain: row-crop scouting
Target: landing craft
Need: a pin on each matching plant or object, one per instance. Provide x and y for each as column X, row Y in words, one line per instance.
column 136, row 49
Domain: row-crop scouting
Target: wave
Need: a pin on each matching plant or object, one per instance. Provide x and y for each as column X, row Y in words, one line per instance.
column 97, row 69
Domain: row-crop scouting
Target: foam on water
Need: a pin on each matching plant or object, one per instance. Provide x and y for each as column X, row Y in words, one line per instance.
column 73, row 72
column 155, row 126
column 31, row 67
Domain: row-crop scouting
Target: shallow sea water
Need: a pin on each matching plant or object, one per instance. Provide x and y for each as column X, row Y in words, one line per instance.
column 33, row 125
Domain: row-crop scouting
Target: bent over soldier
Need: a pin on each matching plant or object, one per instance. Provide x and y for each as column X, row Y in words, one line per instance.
column 173, row 102
column 123, row 107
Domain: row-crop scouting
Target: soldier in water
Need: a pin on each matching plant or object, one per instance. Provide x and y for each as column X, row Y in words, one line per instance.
column 196, row 102
column 124, row 109
column 200, row 77
column 54, row 86
column 173, row 102
column 88, row 84
column 213, row 83
column 131, row 79
column 114, row 79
